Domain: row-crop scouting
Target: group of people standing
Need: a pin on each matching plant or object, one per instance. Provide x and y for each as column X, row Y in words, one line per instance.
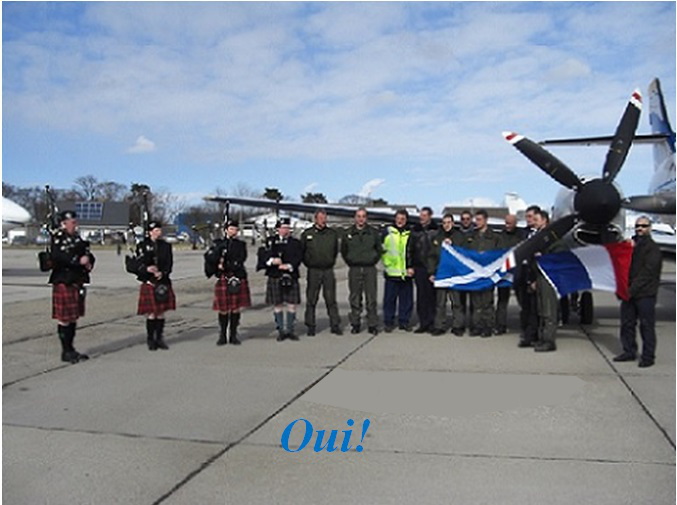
column 410, row 256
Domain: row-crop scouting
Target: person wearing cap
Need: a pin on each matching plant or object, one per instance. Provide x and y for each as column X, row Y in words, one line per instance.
column 320, row 248
column 226, row 259
column 643, row 282
column 72, row 262
column 156, row 295
column 281, row 257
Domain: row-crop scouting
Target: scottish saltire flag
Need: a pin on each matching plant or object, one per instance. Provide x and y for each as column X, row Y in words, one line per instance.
column 467, row 270
column 605, row 267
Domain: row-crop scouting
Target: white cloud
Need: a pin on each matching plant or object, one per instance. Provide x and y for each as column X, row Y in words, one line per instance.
column 369, row 187
column 142, row 145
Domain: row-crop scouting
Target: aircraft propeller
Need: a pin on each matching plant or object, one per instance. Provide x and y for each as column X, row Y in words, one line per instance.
column 596, row 201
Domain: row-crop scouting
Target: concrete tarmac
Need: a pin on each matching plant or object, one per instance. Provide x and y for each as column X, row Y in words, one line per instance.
column 452, row 420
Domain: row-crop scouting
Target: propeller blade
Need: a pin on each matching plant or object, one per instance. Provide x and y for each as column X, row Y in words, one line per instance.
column 620, row 145
column 544, row 238
column 652, row 204
column 544, row 160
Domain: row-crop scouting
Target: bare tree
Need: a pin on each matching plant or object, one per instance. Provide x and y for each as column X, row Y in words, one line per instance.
column 88, row 187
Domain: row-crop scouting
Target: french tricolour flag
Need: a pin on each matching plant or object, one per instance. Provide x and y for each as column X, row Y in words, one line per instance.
column 605, row 267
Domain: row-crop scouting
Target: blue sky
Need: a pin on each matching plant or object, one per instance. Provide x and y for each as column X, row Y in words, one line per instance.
column 407, row 100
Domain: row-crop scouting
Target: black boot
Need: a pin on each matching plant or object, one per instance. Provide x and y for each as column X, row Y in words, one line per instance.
column 223, row 323
column 234, row 322
column 150, row 334
column 159, row 329
column 67, row 354
column 71, row 338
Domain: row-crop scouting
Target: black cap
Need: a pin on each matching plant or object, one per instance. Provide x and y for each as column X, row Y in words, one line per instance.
column 232, row 222
column 67, row 214
column 153, row 224
column 283, row 221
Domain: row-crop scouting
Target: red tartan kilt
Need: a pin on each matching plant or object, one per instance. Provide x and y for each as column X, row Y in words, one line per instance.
column 229, row 302
column 147, row 303
column 66, row 302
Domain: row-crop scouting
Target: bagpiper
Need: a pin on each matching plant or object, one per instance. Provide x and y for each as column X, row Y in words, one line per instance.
column 226, row 261
column 281, row 258
column 156, row 295
column 72, row 262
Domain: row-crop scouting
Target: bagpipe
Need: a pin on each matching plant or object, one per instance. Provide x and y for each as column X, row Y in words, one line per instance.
column 50, row 226
column 134, row 263
column 216, row 248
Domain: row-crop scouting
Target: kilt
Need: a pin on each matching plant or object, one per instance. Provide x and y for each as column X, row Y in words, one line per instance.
column 147, row 303
column 277, row 295
column 67, row 305
column 229, row 302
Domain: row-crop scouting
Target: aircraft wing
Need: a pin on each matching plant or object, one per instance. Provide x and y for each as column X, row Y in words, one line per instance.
column 374, row 213
column 604, row 141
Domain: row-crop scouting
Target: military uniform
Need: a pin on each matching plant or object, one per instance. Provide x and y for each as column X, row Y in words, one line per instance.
column 524, row 276
column 506, row 240
column 453, row 237
column 361, row 249
column 460, row 300
column 482, row 302
column 282, row 285
column 156, row 296
column 320, row 248
column 68, row 278
column 226, row 261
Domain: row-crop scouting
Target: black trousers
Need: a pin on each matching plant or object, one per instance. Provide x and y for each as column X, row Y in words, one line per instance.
column 644, row 310
column 425, row 298
column 528, row 311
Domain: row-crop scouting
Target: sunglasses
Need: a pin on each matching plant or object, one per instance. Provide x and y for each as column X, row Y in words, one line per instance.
column 642, row 225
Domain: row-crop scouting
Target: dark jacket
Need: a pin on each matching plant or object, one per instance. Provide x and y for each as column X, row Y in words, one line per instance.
column 464, row 237
column 361, row 247
column 433, row 260
column 289, row 250
column 66, row 252
column 645, row 269
column 421, row 243
column 158, row 253
column 234, row 255
column 483, row 241
column 320, row 247
column 507, row 240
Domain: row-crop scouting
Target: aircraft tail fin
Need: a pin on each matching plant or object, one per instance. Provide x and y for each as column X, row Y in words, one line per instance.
column 660, row 124
column 516, row 205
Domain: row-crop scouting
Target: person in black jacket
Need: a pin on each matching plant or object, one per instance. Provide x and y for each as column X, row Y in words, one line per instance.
column 421, row 243
column 281, row 258
column 156, row 295
column 643, row 282
column 225, row 260
column 72, row 262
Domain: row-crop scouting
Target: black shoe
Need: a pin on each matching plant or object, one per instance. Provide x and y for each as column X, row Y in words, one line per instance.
column 311, row 331
column 437, row 332
column 336, row 330
column 525, row 343
column 625, row 356
column 475, row 333
column 405, row 327
column 458, row 332
column 501, row 330
column 84, row 357
column 545, row 347
column 69, row 357
column 152, row 346
column 161, row 344
column 421, row 329
column 389, row 328
column 293, row 337
column 487, row 333
column 221, row 341
column 280, row 337
column 234, row 340
column 645, row 363
column 355, row 329
column 373, row 330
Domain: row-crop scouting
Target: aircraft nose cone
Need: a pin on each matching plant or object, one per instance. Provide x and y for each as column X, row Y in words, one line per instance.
column 597, row 202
